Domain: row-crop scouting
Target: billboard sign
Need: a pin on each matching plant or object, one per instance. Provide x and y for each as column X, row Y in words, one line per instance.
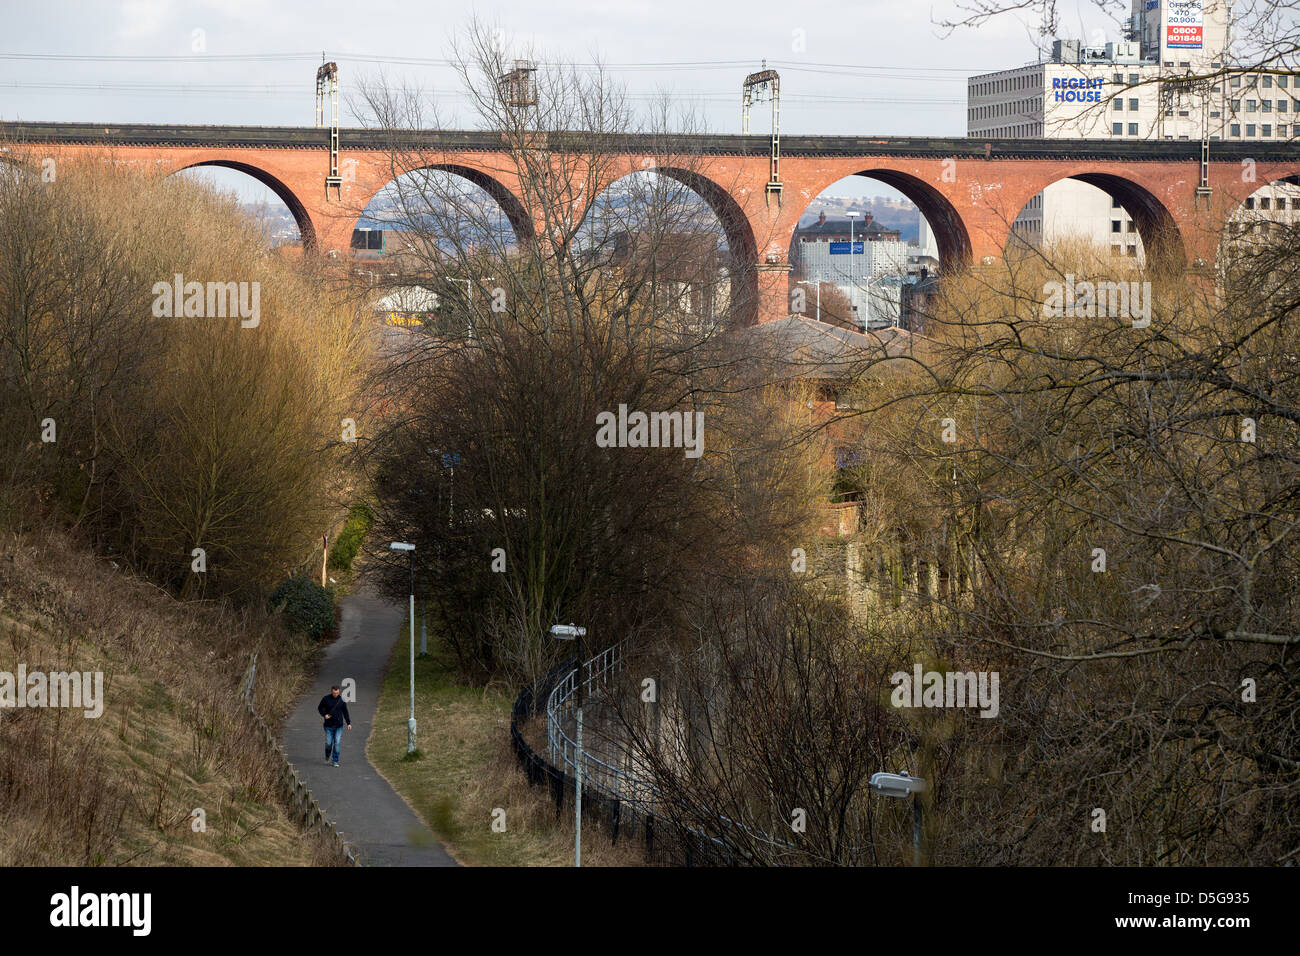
column 1184, row 25
column 842, row 249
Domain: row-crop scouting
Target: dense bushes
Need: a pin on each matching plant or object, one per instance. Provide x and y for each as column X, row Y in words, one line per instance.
column 309, row 606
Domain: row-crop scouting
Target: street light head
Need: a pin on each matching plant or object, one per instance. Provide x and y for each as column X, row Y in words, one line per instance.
column 401, row 546
column 567, row 632
column 896, row 784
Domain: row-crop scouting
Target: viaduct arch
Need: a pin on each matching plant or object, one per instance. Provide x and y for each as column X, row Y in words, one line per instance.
column 970, row 190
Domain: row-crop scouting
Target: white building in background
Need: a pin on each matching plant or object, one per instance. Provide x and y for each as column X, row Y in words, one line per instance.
column 864, row 269
column 880, row 299
column 1130, row 89
column 833, row 262
column 869, row 278
column 924, row 253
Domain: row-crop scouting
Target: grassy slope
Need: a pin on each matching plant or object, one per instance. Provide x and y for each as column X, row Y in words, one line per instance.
column 120, row 789
column 468, row 770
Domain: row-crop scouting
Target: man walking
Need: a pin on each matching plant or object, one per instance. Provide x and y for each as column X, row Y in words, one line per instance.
column 335, row 711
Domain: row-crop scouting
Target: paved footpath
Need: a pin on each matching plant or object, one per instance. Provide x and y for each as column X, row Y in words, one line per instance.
column 373, row 818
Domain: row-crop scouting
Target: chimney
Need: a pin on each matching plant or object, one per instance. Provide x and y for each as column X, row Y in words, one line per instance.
column 821, row 220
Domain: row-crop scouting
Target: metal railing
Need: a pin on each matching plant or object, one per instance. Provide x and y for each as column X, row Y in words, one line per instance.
column 639, row 796
column 615, row 782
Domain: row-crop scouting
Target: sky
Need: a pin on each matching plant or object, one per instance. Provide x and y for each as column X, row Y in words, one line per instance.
column 852, row 67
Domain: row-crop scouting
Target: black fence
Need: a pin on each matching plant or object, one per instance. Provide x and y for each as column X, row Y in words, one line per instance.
column 664, row 841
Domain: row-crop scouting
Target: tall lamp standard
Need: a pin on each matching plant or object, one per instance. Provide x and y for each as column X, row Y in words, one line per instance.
column 853, row 287
column 568, row 632
column 901, row 785
column 410, row 724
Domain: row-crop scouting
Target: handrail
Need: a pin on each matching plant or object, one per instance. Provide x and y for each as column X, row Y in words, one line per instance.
column 641, row 796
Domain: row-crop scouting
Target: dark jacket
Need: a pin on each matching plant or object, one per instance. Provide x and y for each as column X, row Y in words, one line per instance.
column 334, row 710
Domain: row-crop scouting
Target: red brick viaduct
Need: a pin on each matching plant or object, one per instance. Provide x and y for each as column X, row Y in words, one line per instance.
column 970, row 190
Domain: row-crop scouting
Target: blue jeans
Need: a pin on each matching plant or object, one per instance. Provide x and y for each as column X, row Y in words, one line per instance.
column 333, row 740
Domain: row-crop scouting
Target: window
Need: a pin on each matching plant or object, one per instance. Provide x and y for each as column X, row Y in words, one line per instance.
column 1281, row 106
column 1114, row 203
column 1118, row 78
column 1116, row 250
column 1236, row 106
column 1215, row 114
column 1264, row 203
column 1251, row 106
column 1268, row 82
column 1133, row 105
column 1250, row 202
column 1184, row 113
column 1116, row 226
column 1132, row 227
column 1132, row 250
column 1132, row 129
column 1185, row 63
column 1117, row 129
column 1266, row 130
column 1134, row 79
column 1235, row 82
column 1119, row 105
column 1281, row 130
column 1250, row 129
column 1236, row 129
column 1266, row 105
column 1282, row 82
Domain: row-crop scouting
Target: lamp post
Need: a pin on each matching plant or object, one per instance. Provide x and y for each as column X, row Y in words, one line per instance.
column 853, row 305
column 568, row 632
column 901, row 785
column 410, row 723
column 819, row 295
column 469, row 297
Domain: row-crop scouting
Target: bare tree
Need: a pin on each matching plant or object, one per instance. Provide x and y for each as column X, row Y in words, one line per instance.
column 587, row 289
column 1116, row 518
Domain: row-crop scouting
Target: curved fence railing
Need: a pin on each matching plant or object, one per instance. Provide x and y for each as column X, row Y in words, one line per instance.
column 642, row 799
column 614, row 782
column 664, row 840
